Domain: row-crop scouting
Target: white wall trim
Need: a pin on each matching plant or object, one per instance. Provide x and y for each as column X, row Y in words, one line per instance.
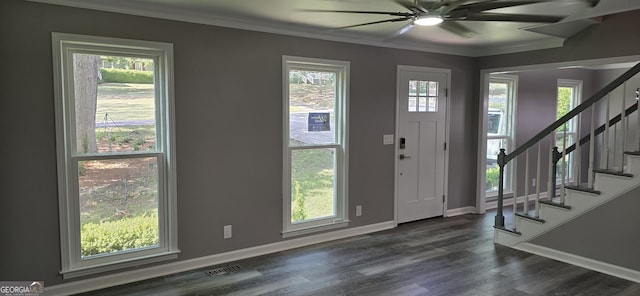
column 121, row 278
column 610, row 269
column 460, row 211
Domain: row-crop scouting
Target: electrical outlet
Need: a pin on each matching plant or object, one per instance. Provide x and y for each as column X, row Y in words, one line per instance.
column 358, row 211
column 533, row 182
column 227, row 231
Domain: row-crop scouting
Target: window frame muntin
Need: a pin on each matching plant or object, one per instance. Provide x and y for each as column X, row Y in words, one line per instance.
column 340, row 144
column 64, row 46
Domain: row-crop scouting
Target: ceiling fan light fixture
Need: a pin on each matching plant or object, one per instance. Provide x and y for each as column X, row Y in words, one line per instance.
column 428, row 20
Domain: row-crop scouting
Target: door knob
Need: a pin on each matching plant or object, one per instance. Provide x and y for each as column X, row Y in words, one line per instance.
column 402, row 156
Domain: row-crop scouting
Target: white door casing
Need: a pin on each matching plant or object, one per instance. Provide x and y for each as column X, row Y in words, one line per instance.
column 422, row 126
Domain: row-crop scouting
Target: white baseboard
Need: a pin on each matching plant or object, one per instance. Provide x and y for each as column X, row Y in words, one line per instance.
column 126, row 277
column 509, row 201
column 461, row 211
column 610, row 269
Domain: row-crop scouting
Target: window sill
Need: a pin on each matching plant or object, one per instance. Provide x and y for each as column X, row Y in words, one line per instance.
column 90, row 270
column 313, row 229
column 493, row 196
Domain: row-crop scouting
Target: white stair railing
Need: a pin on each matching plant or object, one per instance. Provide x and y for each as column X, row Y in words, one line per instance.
column 569, row 177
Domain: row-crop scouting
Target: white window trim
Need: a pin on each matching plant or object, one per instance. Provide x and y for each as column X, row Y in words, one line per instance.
column 64, row 45
column 341, row 68
column 512, row 81
column 576, row 85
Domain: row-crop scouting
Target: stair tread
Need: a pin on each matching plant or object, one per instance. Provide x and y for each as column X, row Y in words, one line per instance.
column 613, row 172
column 555, row 204
column 582, row 188
column 527, row 216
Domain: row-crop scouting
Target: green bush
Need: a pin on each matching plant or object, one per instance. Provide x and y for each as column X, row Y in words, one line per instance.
column 493, row 175
column 119, row 235
column 126, row 76
column 298, row 212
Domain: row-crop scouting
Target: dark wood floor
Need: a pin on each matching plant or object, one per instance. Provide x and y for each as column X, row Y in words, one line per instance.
column 442, row 256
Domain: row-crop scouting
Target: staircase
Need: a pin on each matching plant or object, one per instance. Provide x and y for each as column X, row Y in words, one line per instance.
column 578, row 200
column 615, row 172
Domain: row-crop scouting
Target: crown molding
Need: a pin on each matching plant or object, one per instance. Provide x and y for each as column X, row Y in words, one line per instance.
column 212, row 19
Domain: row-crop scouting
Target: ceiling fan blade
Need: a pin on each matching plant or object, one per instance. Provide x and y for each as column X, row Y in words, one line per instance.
column 524, row 18
column 458, row 29
column 404, row 14
column 493, row 4
column 403, row 30
column 414, row 7
column 483, row 6
column 450, row 5
column 400, row 19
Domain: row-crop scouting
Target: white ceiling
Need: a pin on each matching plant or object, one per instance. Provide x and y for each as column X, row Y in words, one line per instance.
column 287, row 17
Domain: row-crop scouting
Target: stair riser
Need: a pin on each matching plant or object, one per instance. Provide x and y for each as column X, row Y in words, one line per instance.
column 612, row 184
column 633, row 164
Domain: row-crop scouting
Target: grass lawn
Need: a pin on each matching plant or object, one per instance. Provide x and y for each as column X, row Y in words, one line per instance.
column 125, row 101
column 312, row 183
column 120, row 188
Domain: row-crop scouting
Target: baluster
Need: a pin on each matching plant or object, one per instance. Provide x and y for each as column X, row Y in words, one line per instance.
column 526, row 183
column 592, row 141
column 563, row 168
column 604, row 162
column 499, row 219
column 638, row 116
column 514, row 187
column 623, row 130
column 615, row 146
column 555, row 158
column 577, row 157
column 550, row 181
column 538, row 180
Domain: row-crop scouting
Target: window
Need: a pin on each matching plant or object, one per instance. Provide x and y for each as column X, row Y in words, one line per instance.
column 315, row 144
column 116, row 169
column 423, row 96
column 569, row 96
column 500, row 118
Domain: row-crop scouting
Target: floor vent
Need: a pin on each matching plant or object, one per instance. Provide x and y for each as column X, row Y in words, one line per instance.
column 223, row 270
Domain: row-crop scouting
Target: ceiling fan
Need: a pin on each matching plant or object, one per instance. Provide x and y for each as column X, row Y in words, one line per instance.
column 446, row 13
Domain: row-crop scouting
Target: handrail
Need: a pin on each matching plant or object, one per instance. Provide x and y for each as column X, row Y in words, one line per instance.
column 577, row 110
column 600, row 129
column 504, row 158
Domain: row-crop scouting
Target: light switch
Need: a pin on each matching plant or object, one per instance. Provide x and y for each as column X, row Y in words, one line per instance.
column 387, row 139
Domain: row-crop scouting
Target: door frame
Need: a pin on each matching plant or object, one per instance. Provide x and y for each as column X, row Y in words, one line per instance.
column 447, row 73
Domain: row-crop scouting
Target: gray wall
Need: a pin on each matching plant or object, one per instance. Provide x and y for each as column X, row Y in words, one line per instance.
column 218, row 183
column 608, row 233
column 536, row 109
column 613, row 226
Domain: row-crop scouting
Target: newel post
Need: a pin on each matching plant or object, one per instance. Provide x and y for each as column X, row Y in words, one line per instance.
column 499, row 222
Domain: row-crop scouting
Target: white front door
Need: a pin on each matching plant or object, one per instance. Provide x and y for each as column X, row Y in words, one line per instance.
column 421, row 151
